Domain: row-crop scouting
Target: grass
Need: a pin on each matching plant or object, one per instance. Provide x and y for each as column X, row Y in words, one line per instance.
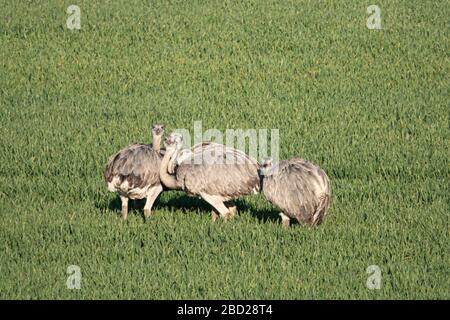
column 369, row 106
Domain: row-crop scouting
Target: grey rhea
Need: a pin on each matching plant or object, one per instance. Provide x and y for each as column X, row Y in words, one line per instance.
column 133, row 172
column 214, row 172
column 300, row 189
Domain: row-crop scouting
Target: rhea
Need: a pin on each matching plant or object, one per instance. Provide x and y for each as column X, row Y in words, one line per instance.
column 133, row 172
column 300, row 189
column 214, row 172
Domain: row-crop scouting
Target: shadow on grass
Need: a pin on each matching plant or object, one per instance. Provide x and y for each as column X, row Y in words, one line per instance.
column 135, row 207
column 266, row 215
column 180, row 202
column 185, row 204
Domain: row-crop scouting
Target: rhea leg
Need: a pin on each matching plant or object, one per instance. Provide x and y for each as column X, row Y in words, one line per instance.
column 232, row 209
column 284, row 219
column 124, row 206
column 152, row 194
column 218, row 205
column 214, row 215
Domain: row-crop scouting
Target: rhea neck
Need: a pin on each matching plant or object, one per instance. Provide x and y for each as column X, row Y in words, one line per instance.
column 263, row 173
column 261, row 180
column 170, row 181
column 156, row 142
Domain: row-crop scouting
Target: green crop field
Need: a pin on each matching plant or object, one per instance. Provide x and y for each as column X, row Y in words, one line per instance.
column 370, row 106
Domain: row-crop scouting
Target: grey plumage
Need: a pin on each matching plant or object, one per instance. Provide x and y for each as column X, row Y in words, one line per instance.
column 300, row 189
column 134, row 167
column 229, row 181
column 212, row 171
column 133, row 172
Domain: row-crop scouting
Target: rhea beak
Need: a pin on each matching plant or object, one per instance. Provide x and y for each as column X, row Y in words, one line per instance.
column 261, row 171
column 168, row 140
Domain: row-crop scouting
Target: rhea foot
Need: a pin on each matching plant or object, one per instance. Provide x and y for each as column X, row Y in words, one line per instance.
column 285, row 220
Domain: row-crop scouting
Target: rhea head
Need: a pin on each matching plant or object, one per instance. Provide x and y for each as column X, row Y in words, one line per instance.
column 173, row 141
column 158, row 130
column 265, row 167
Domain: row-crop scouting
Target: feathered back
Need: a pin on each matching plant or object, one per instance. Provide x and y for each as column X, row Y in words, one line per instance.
column 137, row 164
column 300, row 189
column 216, row 169
column 214, row 153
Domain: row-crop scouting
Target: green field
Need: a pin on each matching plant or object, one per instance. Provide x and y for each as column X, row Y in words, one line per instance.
column 371, row 107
